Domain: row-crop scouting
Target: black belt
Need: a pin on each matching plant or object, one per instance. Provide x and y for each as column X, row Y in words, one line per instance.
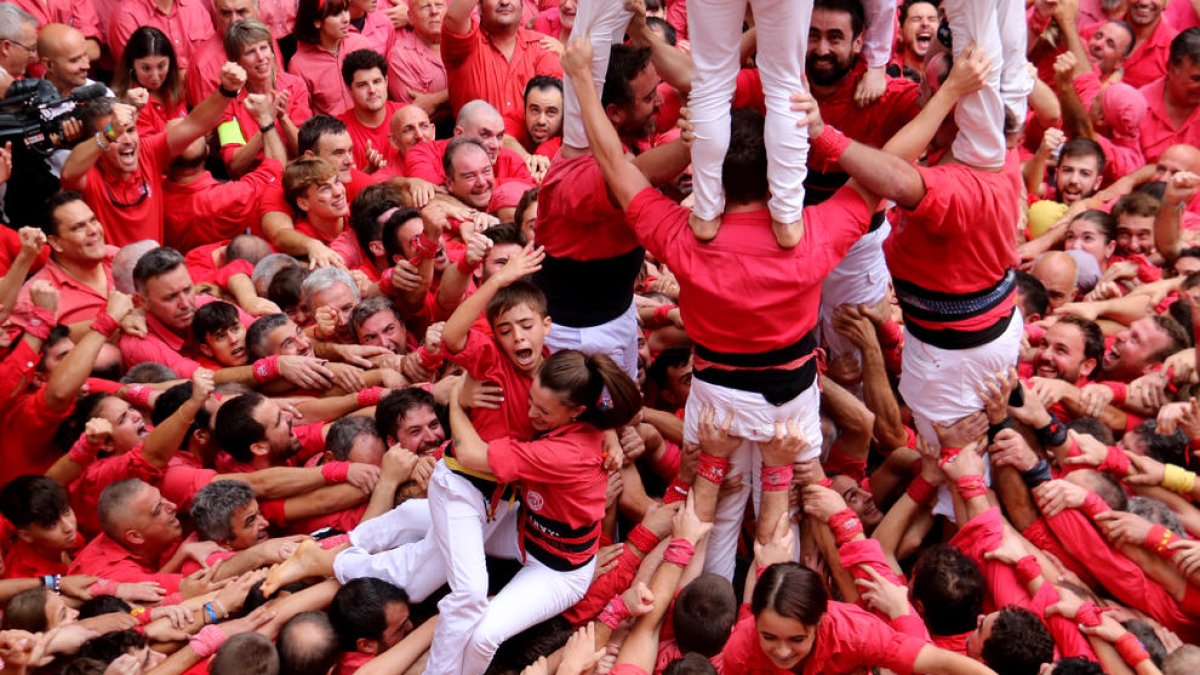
column 585, row 293
column 926, row 305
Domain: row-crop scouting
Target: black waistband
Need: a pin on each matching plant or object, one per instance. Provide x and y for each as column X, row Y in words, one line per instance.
column 948, row 338
column 777, row 386
column 542, row 540
column 921, row 303
column 584, row 293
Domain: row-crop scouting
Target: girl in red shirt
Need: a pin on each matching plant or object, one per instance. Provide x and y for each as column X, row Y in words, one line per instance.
column 149, row 62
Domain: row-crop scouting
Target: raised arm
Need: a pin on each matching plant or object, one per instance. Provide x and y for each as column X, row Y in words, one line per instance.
column 458, row 326
column 206, row 116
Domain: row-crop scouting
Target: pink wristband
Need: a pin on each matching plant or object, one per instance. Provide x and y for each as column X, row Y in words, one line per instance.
column 1131, row 650
column 711, row 468
column 679, row 552
column 845, row 526
column 642, row 539
column 335, row 472
column 105, row 325
column 138, row 394
column 103, row 587
column 207, row 641
column 83, row 452
column 920, row 490
column 776, row 478
column 660, row 314
column 266, row 369
column 971, row 486
column 1028, row 569
column 830, row 145
column 614, row 612
column 38, row 322
column 370, row 396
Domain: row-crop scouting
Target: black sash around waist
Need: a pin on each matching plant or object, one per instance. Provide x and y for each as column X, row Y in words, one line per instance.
column 585, row 293
column 754, row 372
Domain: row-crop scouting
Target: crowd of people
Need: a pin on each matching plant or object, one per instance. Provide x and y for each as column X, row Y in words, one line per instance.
column 615, row 336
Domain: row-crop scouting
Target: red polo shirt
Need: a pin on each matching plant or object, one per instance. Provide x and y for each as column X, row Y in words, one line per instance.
column 76, row 301
column 1158, row 131
column 848, row 639
column 475, row 69
column 485, row 362
column 361, row 133
column 187, row 24
column 741, row 293
column 27, row 425
column 130, row 207
column 424, row 161
column 321, row 71
column 78, row 14
column 207, row 210
column 85, row 490
column 577, row 217
column 107, row 559
column 297, row 111
column 152, row 119
column 23, row 562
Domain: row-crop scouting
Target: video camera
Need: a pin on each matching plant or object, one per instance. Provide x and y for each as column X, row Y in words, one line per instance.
column 34, row 112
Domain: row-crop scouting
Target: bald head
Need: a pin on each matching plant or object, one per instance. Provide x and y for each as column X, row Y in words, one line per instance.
column 410, row 125
column 64, row 51
column 1179, row 157
column 479, row 120
column 1183, row 661
column 114, row 505
column 1057, row 272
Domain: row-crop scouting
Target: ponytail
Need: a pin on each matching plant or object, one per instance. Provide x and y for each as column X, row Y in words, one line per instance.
column 610, row 398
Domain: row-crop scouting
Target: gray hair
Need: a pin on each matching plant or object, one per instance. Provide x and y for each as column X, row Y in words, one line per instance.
column 214, row 505
column 125, row 260
column 367, row 309
column 112, row 503
column 12, row 18
column 323, row 279
column 1156, row 511
column 345, row 432
column 472, row 110
column 155, row 263
column 267, row 268
column 149, row 372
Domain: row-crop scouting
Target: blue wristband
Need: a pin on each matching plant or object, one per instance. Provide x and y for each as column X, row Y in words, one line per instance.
column 212, row 614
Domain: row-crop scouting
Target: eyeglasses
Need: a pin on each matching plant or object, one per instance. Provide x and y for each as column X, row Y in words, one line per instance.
column 31, row 50
column 143, row 193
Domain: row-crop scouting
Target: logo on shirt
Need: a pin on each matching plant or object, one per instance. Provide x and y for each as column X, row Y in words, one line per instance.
column 534, row 500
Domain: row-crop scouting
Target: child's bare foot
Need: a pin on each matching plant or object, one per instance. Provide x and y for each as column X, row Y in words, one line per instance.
column 787, row 235
column 309, row 560
column 705, row 230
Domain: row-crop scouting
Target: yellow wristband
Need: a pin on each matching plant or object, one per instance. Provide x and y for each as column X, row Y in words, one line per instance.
column 1179, row 480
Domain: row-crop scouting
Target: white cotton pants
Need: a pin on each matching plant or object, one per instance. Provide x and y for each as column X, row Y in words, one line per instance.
column 715, row 30
column 879, row 33
column 617, row 338
column 395, row 547
column 998, row 28
column 861, row 277
column 604, row 23
column 941, row 385
column 754, row 421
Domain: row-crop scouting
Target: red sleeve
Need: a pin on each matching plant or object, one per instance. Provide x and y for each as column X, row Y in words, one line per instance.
column 943, row 208
column 423, row 160
column 458, row 48
column 272, row 510
column 743, row 642
column 272, row 200
column 981, row 535
column 16, row 366
column 1065, row 632
column 512, row 167
column 478, row 356
column 659, row 224
column 603, row 589
column 311, row 440
column 542, row 460
column 222, row 276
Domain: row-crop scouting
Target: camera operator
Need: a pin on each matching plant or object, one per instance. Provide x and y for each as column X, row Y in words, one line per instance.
column 122, row 180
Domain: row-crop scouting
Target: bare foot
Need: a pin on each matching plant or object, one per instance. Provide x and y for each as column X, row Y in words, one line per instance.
column 787, row 235
column 309, row 560
column 705, row 230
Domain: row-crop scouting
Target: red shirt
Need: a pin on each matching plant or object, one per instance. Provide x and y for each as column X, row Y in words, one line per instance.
column 17, row 365
column 741, row 293
column 187, row 24
column 297, row 111
column 24, row 562
column 152, row 119
column 562, row 480
column 485, row 362
column 130, row 207
column 378, row 30
column 477, row 69
column 577, row 218
column 107, row 559
column 361, row 133
column 965, row 222
column 207, row 210
column 414, row 64
column 78, row 14
column 85, row 490
column 204, row 73
column 321, row 71
column 182, row 480
column 164, row 345
column 848, row 639
column 350, row 662
column 1158, row 131
column 1148, row 61
column 27, row 425
column 76, row 301
column 424, row 161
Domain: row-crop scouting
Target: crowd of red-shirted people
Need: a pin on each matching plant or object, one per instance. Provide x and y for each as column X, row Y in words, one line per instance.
column 600, row 336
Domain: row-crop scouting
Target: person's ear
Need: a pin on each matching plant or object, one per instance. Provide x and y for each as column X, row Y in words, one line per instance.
column 206, row 350
column 366, row 646
column 1087, row 368
column 260, row 448
column 134, row 537
column 376, row 249
column 24, row 536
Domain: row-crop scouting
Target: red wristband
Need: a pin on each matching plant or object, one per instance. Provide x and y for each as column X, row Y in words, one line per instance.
column 679, row 552
column 266, row 369
column 1115, row 462
column 1028, row 569
column 385, row 282
column 423, row 248
column 971, row 486
column 712, row 469
column 105, row 325
column 642, row 539
column 38, row 321
column 207, row 641
column 465, row 266
column 429, row 361
column 83, row 452
column 829, row 146
column 1087, row 614
column 138, row 394
column 370, row 396
column 920, row 490
column 1159, row 539
column 1131, row 650
column 1120, row 391
column 845, row 526
column 614, row 612
column 948, row 454
column 776, row 478
column 335, row 472
column 103, row 587
column 676, row 492
column 660, row 314
column 826, row 482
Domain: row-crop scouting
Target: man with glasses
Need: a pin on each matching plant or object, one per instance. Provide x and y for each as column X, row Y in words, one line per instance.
column 80, row 14
column 18, row 39
column 122, row 180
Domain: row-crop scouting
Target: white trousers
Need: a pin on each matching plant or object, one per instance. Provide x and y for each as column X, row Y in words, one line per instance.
column 998, row 28
column 879, row 33
column 861, row 277
column 940, row 385
column 715, row 30
column 604, row 23
column 394, row 547
column 617, row 338
column 754, row 421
